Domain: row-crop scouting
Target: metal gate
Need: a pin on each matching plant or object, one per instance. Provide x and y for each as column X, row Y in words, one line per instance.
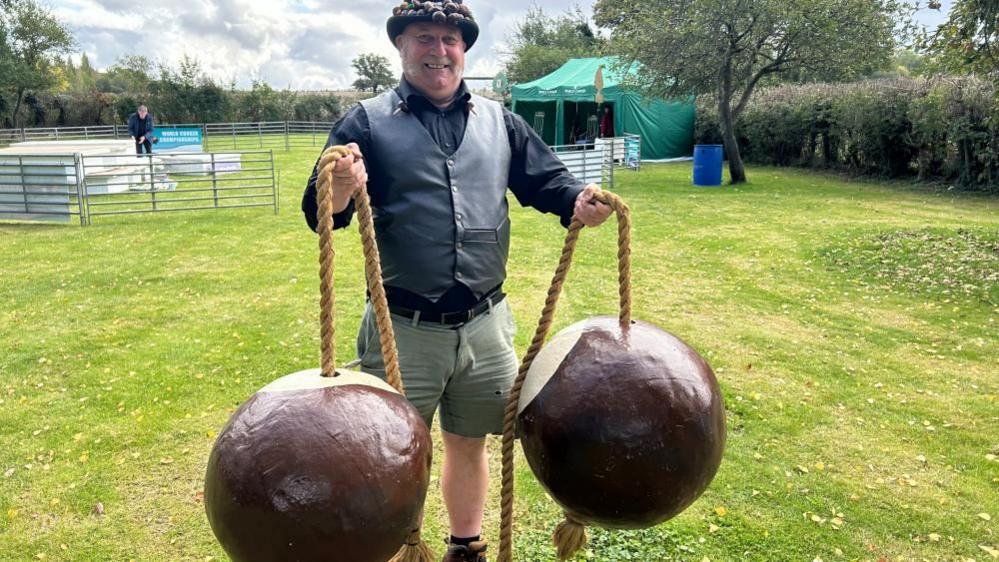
column 41, row 188
column 155, row 183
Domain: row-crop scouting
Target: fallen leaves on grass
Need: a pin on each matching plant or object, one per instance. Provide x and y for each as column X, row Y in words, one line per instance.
column 955, row 263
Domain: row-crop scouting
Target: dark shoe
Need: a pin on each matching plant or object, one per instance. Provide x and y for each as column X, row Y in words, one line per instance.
column 474, row 552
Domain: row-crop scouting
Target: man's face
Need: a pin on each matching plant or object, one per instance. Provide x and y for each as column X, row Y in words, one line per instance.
column 142, row 113
column 433, row 59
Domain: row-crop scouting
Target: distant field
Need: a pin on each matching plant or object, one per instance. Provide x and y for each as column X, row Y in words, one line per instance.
column 852, row 326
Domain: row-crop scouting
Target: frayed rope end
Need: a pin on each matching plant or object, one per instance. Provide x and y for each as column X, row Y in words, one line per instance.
column 569, row 537
column 415, row 550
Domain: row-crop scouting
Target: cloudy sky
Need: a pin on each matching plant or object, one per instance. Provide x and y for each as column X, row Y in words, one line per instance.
column 301, row 44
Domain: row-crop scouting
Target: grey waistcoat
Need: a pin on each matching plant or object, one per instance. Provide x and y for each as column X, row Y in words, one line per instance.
column 439, row 220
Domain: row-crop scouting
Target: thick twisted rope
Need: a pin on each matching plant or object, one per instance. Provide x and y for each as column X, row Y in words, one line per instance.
column 324, row 194
column 570, row 535
column 372, row 270
column 414, row 549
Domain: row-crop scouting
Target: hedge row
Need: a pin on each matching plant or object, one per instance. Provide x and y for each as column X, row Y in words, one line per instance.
column 945, row 129
column 193, row 105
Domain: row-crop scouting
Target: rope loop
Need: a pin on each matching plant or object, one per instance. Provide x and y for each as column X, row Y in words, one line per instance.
column 571, row 529
column 623, row 213
column 372, row 270
column 414, row 549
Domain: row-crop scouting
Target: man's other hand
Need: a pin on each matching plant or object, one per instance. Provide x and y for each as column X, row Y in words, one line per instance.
column 589, row 211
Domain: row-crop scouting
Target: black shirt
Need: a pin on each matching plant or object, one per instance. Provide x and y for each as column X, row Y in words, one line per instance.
column 537, row 177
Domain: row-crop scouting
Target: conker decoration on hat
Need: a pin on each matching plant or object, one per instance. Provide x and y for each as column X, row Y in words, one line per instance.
column 452, row 12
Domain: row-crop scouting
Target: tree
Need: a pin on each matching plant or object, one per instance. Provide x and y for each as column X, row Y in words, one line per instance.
column 84, row 80
column 316, row 107
column 541, row 43
column 968, row 42
column 263, row 103
column 30, row 40
column 727, row 47
column 908, row 62
column 130, row 74
column 183, row 95
column 373, row 72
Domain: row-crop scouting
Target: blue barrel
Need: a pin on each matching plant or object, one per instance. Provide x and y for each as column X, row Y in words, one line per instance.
column 708, row 164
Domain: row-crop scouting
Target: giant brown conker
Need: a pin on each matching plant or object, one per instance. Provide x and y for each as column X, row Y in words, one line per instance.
column 624, row 428
column 315, row 468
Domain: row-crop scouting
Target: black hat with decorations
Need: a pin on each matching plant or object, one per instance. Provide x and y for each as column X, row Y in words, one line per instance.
column 451, row 12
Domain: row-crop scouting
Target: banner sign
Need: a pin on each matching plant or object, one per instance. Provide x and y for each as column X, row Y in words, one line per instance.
column 178, row 139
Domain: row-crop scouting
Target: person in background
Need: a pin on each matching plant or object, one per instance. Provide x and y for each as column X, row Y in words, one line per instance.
column 140, row 128
column 607, row 122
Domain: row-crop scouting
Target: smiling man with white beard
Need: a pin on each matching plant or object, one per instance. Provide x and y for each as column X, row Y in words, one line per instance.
column 437, row 161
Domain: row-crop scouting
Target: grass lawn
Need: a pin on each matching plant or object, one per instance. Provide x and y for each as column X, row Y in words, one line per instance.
column 853, row 327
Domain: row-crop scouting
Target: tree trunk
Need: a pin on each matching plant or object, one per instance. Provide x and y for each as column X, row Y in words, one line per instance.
column 17, row 106
column 735, row 166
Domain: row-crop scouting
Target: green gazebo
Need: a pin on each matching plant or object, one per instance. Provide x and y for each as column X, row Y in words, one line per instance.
column 561, row 107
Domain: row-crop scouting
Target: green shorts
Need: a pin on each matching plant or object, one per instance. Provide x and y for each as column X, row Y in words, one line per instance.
column 466, row 371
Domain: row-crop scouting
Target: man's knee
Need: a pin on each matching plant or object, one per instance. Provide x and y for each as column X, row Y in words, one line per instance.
column 459, row 445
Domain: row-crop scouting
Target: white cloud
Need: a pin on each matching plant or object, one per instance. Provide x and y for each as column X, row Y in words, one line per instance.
column 302, row 44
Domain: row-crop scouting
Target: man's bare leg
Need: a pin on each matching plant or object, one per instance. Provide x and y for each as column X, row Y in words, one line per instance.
column 465, row 482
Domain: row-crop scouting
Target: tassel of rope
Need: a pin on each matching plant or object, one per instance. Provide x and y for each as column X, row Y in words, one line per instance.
column 415, row 549
column 570, row 536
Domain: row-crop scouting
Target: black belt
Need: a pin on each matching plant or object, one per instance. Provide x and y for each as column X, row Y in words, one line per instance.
column 454, row 319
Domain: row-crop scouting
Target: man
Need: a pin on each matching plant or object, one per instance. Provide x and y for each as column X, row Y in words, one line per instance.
column 607, row 121
column 140, row 128
column 437, row 162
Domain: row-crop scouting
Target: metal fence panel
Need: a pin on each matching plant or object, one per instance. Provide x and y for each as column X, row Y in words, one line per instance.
column 622, row 151
column 41, row 188
column 633, row 151
column 150, row 183
column 69, row 133
column 586, row 162
column 215, row 136
column 10, row 136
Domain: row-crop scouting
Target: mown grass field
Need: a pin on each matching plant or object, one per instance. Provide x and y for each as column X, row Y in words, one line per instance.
column 853, row 328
